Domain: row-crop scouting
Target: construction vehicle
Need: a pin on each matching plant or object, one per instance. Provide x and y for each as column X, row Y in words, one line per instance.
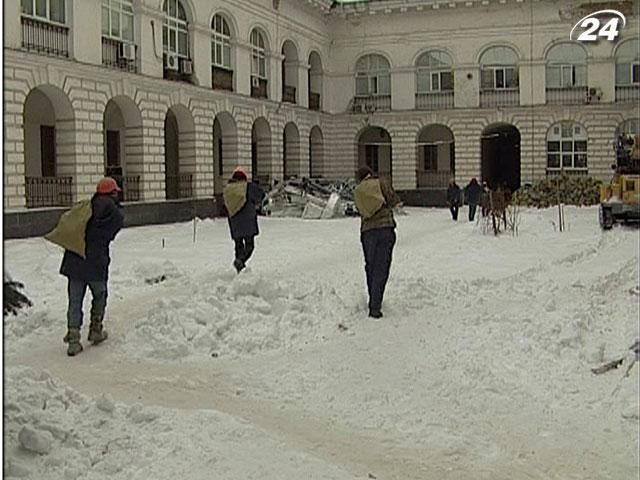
column 620, row 200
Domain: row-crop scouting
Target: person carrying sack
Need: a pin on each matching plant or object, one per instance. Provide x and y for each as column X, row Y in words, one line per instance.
column 241, row 200
column 85, row 232
column 375, row 201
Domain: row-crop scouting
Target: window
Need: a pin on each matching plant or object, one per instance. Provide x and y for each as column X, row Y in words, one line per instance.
column 258, row 55
column 372, row 76
column 430, row 158
column 566, row 66
column 433, row 73
column 117, row 19
column 567, row 147
column 498, row 69
column 175, row 30
column 628, row 63
column 220, row 42
column 49, row 10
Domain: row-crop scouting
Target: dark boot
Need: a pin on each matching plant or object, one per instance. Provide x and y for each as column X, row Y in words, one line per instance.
column 72, row 338
column 96, row 334
column 238, row 264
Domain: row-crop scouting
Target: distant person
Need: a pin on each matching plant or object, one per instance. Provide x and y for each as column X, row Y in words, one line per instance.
column 93, row 271
column 375, row 200
column 473, row 192
column 242, row 200
column 485, row 199
column 453, row 198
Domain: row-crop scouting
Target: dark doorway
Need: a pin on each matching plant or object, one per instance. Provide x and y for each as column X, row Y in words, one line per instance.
column 501, row 156
column 48, row 150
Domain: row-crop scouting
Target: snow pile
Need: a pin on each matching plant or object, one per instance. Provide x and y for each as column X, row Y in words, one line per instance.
column 243, row 316
column 52, row 433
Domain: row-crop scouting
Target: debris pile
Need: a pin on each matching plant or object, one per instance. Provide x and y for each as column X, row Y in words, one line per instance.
column 580, row 190
column 311, row 199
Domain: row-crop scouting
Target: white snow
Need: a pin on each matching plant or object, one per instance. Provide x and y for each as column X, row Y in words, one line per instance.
column 480, row 368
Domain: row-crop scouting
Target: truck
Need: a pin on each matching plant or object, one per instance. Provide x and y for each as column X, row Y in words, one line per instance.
column 620, row 199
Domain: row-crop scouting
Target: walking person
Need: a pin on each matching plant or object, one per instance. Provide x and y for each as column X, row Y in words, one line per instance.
column 485, row 200
column 241, row 200
column 92, row 271
column 453, row 198
column 375, row 201
column 473, row 192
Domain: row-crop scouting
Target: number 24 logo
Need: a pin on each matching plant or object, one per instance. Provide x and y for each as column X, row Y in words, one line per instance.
column 592, row 24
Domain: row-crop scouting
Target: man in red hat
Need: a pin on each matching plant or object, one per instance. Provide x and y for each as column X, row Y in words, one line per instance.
column 93, row 271
column 241, row 200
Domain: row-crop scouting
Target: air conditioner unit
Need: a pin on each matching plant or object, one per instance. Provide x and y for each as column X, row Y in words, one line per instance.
column 595, row 93
column 128, row 51
column 171, row 62
column 255, row 82
column 186, row 66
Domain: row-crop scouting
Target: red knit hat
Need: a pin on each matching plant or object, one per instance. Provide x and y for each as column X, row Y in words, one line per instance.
column 107, row 185
column 239, row 174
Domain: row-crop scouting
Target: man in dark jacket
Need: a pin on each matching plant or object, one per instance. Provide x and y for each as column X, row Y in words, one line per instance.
column 375, row 201
column 473, row 192
column 241, row 200
column 93, row 271
column 453, row 198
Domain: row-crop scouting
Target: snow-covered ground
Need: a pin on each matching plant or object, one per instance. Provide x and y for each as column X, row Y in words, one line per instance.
column 480, row 368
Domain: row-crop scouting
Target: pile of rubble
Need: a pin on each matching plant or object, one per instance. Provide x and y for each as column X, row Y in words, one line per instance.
column 311, row 198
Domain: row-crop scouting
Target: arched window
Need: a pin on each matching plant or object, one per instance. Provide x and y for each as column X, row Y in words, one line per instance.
column 628, row 62
column 372, row 76
column 220, row 42
column 630, row 127
column 258, row 55
column 567, row 147
column 433, row 72
column 117, row 20
column 175, row 30
column 498, row 68
column 48, row 10
column 566, row 66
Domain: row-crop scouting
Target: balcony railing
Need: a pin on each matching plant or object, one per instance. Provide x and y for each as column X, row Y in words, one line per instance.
column 566, row 95
column 49, row 191
column 222, row 79
column 433, row 179
column 259, row 90
column 289, row 94
column 179, row 186
column 371, row 103
column 45, row 37
column 500, row 98
column 572, row 172
column 113, row 55
column 434, row 100
column 314, row 101
column 627, row 93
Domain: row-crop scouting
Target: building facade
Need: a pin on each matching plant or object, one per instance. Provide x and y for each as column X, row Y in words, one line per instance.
column 168, row 96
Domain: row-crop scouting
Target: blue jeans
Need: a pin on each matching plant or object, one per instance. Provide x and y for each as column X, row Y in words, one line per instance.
column 377, row 245
column 76, row 290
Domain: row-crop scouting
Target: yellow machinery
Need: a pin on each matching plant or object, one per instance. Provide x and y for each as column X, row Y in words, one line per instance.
column 620, row 200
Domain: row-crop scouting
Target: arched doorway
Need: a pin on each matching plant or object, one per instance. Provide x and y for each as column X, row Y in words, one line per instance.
column 179, row 153
column 500, row 155
column 316, row 153
column 435, row 156
column 122, row 129
column 289, row 72
column 48, row 122
column 315, row 81
column 225, row 149
column 374, row 151
column 261, row 152
column 291, row 151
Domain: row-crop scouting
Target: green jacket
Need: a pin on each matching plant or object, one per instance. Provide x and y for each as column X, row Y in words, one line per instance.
column 371, row 193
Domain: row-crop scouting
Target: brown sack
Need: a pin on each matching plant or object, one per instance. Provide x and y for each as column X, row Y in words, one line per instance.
column 235, row 197
column 71, row 228
column 369, row 198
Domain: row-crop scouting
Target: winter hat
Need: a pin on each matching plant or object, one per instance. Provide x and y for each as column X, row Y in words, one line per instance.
column 107, row 185
column 239, row 174
column 363, row 172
